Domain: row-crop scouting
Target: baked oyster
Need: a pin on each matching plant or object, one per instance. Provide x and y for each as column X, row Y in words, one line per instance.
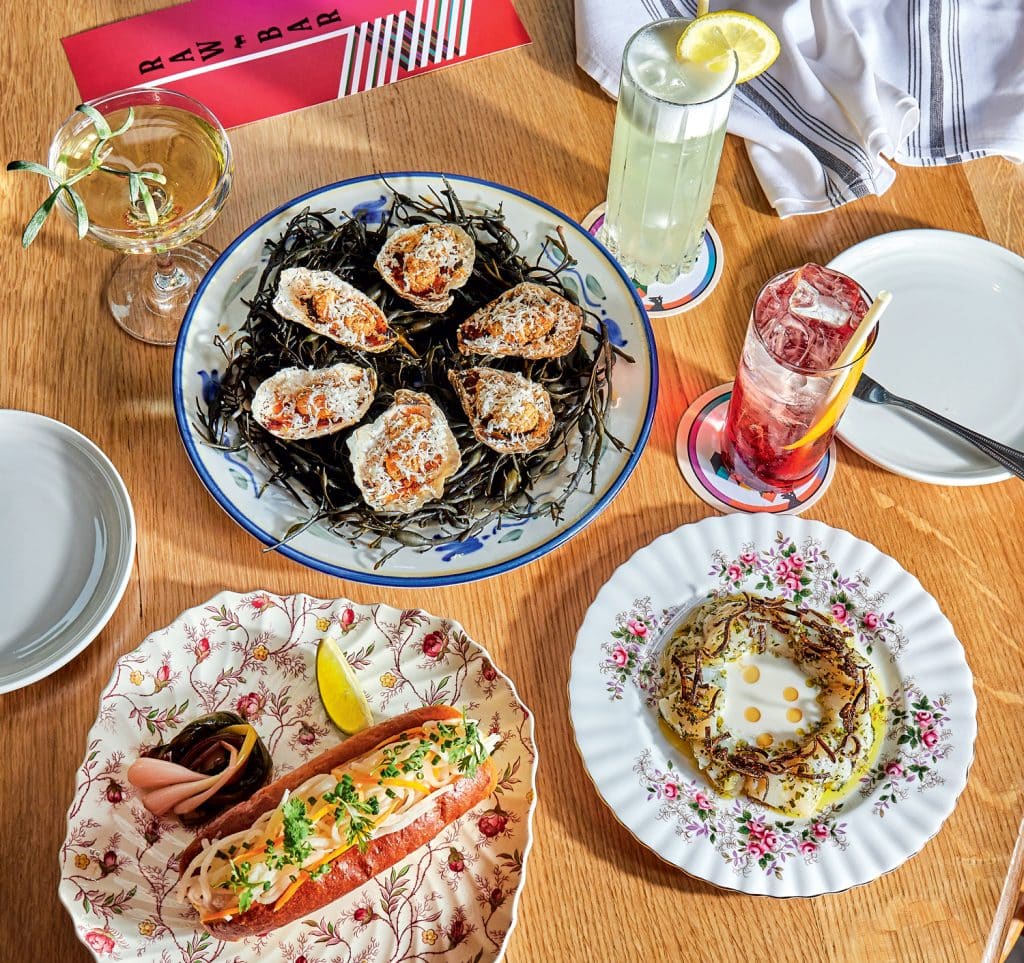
column 324, row 303
column 426, row 262
column 507, row 411
column 527, row 321
column 401, row 460
column 296, row 403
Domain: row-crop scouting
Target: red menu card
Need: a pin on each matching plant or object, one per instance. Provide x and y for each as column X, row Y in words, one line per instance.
column 249, row 59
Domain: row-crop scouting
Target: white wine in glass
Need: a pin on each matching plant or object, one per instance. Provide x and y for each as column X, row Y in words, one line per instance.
column 180, row 139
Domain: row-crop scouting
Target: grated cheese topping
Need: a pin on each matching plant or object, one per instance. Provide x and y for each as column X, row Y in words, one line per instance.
column 402, row 459
column 527, row 321
column 424, row 263
column 296, row 403
column 507, row 411
column 328, row 305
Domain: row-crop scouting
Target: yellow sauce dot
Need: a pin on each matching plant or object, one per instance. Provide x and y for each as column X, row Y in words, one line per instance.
column 751, row 674
column 765, row 740
column 790, row 694
column 794, row 715
column 810, row 683
column 751, row 714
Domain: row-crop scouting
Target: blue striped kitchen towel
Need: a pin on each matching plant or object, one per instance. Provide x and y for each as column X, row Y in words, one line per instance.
column 859, row 83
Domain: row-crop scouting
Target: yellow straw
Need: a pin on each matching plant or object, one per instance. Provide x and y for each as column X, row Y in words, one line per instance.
column 842, row 387
column 703, row 6
column 860, row 337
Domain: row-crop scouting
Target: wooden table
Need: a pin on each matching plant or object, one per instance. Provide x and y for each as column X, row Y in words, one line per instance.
column 531, row 119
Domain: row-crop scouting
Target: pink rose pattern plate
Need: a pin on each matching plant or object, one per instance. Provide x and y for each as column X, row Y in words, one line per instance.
column 737, row 843
column 453, row 899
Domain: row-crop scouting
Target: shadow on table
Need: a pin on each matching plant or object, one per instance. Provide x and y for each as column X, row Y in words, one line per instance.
column 682, row 378
column 561, row 774
column 820, row 238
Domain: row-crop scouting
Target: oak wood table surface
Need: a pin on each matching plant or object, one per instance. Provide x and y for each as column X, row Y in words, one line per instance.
column 528, row 118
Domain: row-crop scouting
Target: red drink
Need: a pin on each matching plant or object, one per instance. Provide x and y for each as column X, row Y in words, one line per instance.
column 783, row 410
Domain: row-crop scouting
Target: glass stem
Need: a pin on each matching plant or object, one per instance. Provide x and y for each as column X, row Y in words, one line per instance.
column 168, row 277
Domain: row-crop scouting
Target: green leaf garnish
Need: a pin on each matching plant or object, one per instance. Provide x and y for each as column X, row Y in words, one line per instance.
column 81, row 218
column 32, row 167
column 240, row 883
column 138, row 191
column 128, row 121
column 297, row 830
column 98, row 120
column 36, row 221
column 354, row 811
column 147, row 202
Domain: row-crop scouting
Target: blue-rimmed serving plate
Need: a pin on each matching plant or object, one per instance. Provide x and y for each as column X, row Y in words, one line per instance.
column 237, row 482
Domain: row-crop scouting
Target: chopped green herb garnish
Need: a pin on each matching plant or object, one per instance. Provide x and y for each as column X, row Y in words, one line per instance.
column 297, row 829
column 357, row 811
column 240, row 883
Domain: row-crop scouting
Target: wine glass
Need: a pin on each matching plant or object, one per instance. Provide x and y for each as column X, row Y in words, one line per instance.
column 172, row 135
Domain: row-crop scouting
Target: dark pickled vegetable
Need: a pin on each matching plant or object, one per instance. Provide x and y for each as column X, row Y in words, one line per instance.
column 202, row 747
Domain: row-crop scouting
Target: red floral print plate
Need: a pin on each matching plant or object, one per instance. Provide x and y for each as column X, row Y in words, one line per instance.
column 454, row 898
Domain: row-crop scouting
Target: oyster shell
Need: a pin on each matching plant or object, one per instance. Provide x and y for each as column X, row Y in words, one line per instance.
column 426, row 262
column 296, row 403
column 507, row 411
column 527, row 321
column 324, row 303
column 402, row 459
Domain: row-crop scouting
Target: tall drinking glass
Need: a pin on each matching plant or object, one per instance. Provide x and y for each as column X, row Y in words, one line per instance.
column 792, row 385
column 173, row 135
column 669, row 130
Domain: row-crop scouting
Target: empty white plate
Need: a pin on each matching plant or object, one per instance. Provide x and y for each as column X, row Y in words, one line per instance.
column 69, row 542
column 952, row 340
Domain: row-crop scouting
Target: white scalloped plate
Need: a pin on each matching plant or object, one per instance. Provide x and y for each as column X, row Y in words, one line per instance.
column 455, row 897
column 734, row 843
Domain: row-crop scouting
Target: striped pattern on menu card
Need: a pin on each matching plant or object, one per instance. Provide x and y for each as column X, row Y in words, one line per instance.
column 258, row 58
column 435, row 32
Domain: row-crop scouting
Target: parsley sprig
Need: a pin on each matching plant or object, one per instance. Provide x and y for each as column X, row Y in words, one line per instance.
column 465, row 749
column 240, row 883
column 358, row 813
column 297, row 830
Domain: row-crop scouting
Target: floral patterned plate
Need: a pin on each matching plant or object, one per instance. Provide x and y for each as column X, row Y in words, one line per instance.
column 900, row 802
column 238, row 481
column 454, row 898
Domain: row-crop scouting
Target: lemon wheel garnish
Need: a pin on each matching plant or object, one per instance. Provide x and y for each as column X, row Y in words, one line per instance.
column 710, row 39
column 343, row 699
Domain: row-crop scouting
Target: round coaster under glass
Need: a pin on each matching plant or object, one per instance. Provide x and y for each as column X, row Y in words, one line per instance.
column 689, row 289
column 699, row 456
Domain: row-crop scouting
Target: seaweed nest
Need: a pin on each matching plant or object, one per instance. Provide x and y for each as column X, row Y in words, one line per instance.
column 489, row 486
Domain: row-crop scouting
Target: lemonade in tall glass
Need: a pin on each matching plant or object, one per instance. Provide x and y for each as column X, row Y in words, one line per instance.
column 669, row 130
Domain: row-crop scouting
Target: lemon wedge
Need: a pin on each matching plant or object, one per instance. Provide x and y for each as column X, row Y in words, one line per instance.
column 710, row 40
column 339, row 689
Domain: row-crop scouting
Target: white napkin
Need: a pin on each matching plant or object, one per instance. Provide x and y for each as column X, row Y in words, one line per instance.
column 921, row 82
